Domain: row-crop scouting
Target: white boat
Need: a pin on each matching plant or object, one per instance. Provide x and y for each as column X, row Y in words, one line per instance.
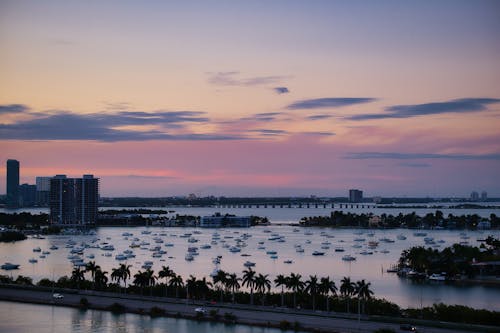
column 437, row 277
column 348, row 257
column 120, row 257
column 108, row 247
column 54, row 247
column 37, row 249
column 288, row 261
column 401, row 237
column 318, row 253
column 339, row 249
column 234, row 249
column 33, row 261
column 249, row 264
column 189, row 257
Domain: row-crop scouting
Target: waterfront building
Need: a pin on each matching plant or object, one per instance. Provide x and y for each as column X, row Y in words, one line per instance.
column 220, row 221
column 74, row 201
column 42, row 191
column 12, row 183
column 484, row 196
column 27, row 195
column 355, row 195
column 474, row 196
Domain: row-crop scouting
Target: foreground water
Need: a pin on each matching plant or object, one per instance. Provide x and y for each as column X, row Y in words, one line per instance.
column 53, row 319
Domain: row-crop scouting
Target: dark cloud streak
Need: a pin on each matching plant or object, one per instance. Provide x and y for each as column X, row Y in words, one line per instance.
column 464, row 105
column 411, row 156
column 329, row 102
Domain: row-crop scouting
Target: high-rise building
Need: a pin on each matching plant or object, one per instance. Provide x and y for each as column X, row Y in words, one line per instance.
column 74, row 201
column 42, row 191
column 355, row 195
column 27, row 195
column 474, row 196
column 12, row 183
column 484, row 196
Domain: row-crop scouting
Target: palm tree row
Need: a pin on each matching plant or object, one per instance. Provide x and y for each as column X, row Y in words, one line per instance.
column 225, row 283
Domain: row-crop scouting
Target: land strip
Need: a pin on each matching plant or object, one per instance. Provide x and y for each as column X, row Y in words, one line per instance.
column 244, row 314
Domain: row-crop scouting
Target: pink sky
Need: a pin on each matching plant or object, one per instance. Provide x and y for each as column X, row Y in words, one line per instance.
column 259, row 98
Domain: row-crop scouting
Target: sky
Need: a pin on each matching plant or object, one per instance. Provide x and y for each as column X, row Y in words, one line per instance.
column 254, row 98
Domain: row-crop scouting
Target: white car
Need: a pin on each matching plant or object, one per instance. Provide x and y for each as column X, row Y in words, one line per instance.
column 200, row 310
column 57, row 296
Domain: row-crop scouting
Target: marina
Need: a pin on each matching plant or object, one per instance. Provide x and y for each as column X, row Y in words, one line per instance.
column 359, row 254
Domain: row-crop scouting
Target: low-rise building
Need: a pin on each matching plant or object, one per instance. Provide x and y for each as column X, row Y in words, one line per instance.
column 222, row 221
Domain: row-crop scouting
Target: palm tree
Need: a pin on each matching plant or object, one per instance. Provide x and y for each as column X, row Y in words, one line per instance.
column 312, row 288
column 191, row 287
column 165, row 273
column 281, row 281
column 249, row 281
column 347, row 289
column 296, row 285
column 150, row 279
column 125, row 273
column 325, row 287
column 140, row 280
column 203, row 286
column 220, row 280
column 101, row 280
column 176, row 282
column 363, row 292
column 92, row 268
column 233, row 283
column 116, row 275
column 262, row 283
column 77, row 276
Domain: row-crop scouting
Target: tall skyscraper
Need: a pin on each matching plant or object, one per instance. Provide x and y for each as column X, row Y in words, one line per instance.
column 355, row 195
column 12, row 183
column 42, row 191
column 74, row 201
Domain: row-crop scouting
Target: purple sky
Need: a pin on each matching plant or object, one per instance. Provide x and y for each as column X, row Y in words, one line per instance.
column 254, row 98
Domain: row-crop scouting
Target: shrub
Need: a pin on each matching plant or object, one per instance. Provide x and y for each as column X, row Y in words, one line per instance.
column 285, row 325
column 229, row 316
column 116, row 308
column 84, row 303
column 156, row 312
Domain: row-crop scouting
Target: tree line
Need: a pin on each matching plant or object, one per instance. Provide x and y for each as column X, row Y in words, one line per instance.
column 411, row 220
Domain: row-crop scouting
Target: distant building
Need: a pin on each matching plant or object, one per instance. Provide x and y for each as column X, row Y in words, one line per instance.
column 74, row 201
column 484, row 196
column 27, row 195
column 12, row 184
column 220, row 221
column 355, row 195
column 42, row 191
column 474, row 196
column 482, row 225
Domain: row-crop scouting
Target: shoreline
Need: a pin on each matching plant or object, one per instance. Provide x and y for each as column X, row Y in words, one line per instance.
column 256, row 315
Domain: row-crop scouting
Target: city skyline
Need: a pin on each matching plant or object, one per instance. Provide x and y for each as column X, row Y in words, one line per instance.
column 274, row 98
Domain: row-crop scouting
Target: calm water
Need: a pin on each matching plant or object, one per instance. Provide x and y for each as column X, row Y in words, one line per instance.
column 53, row 319
column 368, row 267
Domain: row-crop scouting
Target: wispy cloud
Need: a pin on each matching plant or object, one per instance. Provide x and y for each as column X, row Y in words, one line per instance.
column 234, row 79
column 263, row 117
column 319, row 117
column 13, row 108
column 269, row 132
column 281, row 90
column 464, row 105
column 65, row 125
column 411, row 156
column 329, row 102
column 415, row 165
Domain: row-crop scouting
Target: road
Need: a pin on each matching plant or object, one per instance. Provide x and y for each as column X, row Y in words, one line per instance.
column 244, row 314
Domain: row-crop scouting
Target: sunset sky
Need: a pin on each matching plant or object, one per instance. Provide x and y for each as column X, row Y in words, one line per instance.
column 254, row 98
